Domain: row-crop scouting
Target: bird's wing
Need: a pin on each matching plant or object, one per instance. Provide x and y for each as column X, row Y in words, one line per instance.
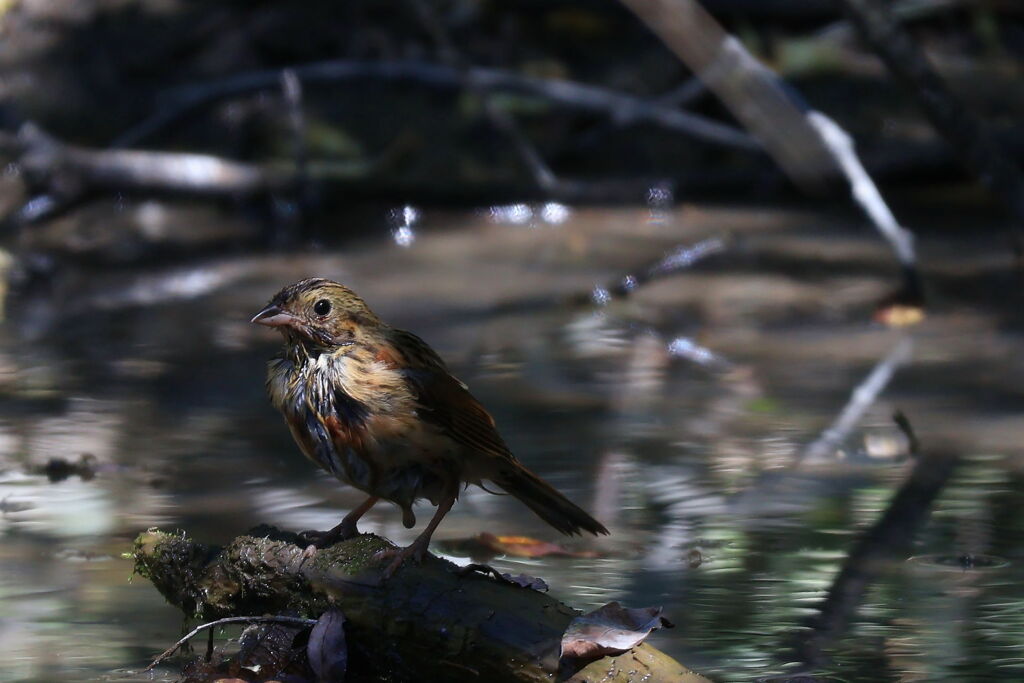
column 443, row 400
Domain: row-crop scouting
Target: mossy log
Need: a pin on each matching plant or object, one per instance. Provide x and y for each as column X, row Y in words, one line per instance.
column 427, row 623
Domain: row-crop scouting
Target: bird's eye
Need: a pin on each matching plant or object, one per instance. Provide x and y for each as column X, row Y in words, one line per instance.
column 322, row 307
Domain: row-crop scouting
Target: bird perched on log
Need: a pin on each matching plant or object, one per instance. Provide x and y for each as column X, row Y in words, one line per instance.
column 377, row 408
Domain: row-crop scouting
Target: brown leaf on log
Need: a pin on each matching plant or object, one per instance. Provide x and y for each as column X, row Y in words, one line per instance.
column 485, row 546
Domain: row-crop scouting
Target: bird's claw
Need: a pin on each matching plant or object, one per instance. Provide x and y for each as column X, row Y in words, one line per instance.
column 314, row 539
column 318, row 539
column 416, row 552
column 325, row 539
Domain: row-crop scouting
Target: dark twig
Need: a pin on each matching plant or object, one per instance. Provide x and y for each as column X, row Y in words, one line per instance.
column 579, row 96
column 50, row 194
column 683, row 94
column 502, row 120
column 901, row 420
column 227, row 620
column 680, row 96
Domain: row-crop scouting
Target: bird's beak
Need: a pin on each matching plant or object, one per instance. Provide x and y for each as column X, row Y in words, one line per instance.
column 274, row 316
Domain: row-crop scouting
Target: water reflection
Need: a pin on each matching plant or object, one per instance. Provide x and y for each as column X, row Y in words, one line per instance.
column 677, row 412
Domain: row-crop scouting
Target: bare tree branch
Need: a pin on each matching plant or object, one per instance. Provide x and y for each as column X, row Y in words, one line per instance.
column 570, row 94
column 863, row 188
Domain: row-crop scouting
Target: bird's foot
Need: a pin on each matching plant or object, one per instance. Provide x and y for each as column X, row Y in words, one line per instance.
column 416, row 550
column 325, row 539
column 317, row 539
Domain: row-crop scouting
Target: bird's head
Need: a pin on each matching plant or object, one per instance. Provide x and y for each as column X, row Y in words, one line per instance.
column 320, row 311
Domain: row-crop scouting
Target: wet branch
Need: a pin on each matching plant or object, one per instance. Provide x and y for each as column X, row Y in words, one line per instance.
column 410, row 629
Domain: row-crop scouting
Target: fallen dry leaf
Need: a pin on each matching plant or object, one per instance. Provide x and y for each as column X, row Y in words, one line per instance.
column 610, row 630
column 486, row 546
column 327, row 650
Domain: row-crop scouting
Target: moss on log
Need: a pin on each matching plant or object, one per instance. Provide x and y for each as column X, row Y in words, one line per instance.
column 427, row 623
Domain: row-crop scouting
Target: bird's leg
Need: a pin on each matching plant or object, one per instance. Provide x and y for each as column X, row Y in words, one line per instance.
column 345, row 530
column 418, row 548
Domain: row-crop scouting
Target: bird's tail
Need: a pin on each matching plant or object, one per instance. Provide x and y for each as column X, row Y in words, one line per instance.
column 548, row 503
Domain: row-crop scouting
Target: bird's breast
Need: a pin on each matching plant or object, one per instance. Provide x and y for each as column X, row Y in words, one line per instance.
column 357, row 419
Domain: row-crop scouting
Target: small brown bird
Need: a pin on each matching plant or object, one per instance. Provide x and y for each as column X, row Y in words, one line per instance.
column 377, row 408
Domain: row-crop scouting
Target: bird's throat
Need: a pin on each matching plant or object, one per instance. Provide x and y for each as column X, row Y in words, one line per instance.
column 301, row 349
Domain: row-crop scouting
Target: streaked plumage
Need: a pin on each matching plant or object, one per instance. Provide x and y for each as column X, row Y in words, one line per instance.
column 376, row 407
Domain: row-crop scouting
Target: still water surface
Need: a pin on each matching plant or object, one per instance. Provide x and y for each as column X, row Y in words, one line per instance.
column 681, row 415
